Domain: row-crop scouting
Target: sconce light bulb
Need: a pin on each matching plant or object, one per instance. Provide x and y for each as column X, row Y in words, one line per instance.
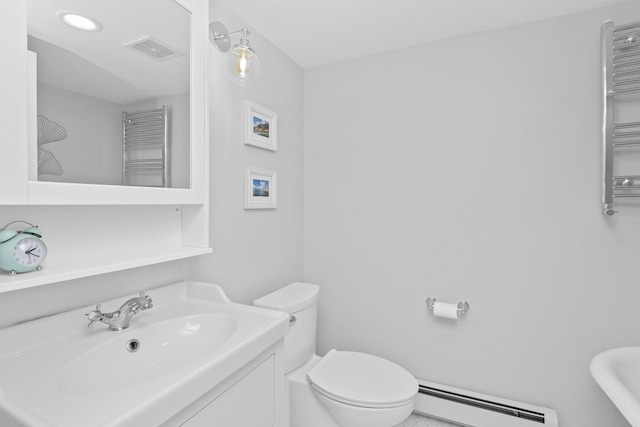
column 243, row 65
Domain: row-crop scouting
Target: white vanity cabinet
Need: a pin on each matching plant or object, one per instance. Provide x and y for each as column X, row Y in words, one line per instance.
column 251, row 401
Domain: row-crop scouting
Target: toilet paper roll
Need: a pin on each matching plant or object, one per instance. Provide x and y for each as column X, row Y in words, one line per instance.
column 448, row 311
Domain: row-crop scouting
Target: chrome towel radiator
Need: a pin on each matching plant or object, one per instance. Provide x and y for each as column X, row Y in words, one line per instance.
column 621, row 95
column 145, row 136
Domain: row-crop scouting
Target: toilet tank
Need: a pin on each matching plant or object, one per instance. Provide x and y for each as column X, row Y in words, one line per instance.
column 300, row 300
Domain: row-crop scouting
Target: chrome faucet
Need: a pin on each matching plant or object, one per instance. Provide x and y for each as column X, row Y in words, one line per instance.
column 119, row 319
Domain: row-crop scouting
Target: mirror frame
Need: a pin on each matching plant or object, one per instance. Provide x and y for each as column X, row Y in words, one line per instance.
column 59, row 193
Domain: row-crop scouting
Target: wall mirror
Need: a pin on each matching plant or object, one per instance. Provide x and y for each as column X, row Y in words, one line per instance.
column 114, row 104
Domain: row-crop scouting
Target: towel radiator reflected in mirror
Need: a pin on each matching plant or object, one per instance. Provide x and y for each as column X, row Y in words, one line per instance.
column 145, row 136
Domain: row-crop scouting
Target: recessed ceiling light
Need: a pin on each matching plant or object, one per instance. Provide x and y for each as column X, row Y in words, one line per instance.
column 79, row 22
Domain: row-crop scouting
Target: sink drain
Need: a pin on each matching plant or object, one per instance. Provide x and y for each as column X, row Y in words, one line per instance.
column 133, row 345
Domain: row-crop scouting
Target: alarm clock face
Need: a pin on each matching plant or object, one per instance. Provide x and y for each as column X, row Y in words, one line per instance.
column 30, row 252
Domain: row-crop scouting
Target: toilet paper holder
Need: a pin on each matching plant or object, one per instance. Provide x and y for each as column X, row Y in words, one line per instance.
column 463, row 306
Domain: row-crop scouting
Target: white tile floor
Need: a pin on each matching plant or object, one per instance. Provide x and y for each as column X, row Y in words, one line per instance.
column 421, row 421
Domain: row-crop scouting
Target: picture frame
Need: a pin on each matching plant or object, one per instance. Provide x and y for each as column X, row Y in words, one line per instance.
column 260, row 188
column 260, row 127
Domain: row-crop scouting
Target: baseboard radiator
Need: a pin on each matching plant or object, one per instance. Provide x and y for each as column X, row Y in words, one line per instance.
column 479, row 410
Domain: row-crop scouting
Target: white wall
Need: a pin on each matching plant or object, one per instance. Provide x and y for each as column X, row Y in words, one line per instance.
column 254, row 251
column 470, row 169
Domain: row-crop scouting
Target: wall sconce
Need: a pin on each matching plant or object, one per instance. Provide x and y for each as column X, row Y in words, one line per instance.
column 243, row 67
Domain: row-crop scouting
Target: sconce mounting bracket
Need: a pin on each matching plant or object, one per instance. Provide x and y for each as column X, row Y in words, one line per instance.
column 219, row 36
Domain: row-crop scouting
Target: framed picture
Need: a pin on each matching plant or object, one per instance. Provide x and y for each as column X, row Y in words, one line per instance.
column 260, row 188
column 260, row 127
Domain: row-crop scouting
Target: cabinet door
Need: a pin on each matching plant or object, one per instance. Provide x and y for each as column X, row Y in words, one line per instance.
column 251, row 402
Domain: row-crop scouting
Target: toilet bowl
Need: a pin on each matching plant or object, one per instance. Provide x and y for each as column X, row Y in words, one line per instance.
column 361, row 390
column 343, row 388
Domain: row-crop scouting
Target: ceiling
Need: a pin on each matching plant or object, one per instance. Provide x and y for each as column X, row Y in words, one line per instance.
column 319, row 32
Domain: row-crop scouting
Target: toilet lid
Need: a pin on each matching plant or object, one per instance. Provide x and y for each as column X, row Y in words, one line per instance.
column 362, row 379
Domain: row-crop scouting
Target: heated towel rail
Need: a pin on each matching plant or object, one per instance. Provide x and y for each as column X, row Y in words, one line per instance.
column 621, row 95
column 145, row 137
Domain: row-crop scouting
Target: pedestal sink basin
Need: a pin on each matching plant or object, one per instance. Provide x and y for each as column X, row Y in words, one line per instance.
column 56, row 372
column 617, row 371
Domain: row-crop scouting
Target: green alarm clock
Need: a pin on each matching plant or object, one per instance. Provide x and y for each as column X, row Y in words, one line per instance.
column 21, row 251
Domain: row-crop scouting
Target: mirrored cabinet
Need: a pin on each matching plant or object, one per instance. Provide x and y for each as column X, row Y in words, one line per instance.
column 82, row 84
column 105, row 115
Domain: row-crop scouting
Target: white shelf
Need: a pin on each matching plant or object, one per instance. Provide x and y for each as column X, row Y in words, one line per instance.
column 78, row 268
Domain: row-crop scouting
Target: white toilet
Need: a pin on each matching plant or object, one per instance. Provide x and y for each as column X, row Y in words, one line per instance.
column 343, row 389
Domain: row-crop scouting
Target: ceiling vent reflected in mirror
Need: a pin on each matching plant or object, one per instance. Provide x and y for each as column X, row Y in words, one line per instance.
column 153, row 48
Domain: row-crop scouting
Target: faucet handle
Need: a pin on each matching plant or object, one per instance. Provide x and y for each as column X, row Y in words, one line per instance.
column 149, row 301
column 94, row 316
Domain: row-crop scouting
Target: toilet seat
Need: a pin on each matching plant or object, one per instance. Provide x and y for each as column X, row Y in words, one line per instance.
column 364, row 380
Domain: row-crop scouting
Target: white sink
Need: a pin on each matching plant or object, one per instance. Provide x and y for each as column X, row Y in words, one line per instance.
column 617, row 371
column 158, row 349
column 56, row 372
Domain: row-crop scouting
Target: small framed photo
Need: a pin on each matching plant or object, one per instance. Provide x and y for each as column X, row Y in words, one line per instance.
column 260, row 127
column 260, row 188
